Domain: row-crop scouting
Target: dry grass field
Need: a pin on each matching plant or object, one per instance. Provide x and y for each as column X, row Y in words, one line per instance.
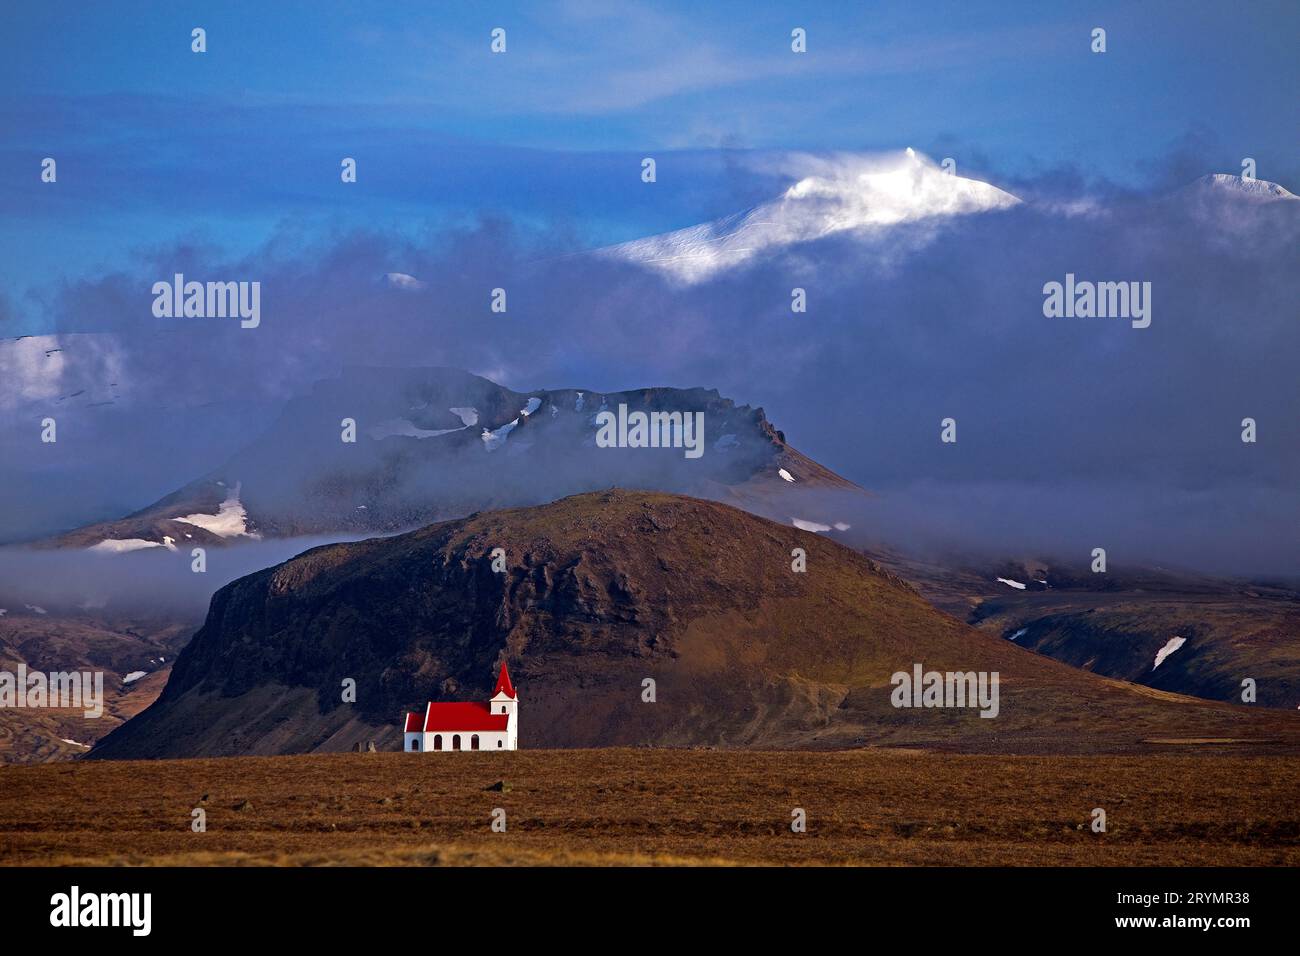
column 657, row 806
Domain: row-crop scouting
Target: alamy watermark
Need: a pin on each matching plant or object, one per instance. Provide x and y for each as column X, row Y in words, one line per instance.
column 951, row 689
column 651, row 430
column 208, row 300
column 57, row 689
column 1101, row 300
column 75, row 908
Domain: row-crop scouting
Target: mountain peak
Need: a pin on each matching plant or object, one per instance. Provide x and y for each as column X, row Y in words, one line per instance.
column 845, row 194
column 863, row 193
column 1228, row 184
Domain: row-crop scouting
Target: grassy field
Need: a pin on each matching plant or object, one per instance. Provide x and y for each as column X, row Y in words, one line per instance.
column 624, row 806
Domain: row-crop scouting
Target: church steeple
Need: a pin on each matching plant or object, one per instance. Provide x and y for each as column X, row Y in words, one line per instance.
column 503, row 684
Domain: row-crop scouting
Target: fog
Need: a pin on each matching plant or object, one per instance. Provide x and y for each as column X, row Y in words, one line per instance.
column 67, row 582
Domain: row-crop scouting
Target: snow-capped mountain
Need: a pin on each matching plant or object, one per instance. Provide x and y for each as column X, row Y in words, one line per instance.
column 855, row 195
column 1225, row 184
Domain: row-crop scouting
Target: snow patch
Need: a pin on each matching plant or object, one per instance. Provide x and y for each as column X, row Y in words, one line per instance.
column 1019, row 634
column 533, row 405
column 75, row 743
column 401, row 280
column 785, row 474
column 1012, row 584
column 810, row 525
column 405, row 428
column 134, row 676
column 492, row 440
column 1171, row 645
column 122, row 545
column 577, row 405
column 230, row 521
column 36, row 609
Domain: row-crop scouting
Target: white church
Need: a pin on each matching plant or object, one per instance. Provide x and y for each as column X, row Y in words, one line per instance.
column 468, row 725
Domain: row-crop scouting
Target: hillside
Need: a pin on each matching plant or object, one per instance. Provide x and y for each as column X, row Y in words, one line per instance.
column 1207, row 633
column 138, row 646
column 602, row 591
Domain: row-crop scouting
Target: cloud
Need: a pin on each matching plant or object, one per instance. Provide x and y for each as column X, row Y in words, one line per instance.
column 1069, row 430
column 584, row 59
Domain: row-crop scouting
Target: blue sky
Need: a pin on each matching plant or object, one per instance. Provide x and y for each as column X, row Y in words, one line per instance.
column 479, row 170
column 231, row 148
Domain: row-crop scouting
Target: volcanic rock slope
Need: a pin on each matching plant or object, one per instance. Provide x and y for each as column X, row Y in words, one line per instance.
column 606, row 590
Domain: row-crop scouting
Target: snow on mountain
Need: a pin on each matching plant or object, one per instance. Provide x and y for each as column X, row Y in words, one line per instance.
column 805, row 525
column 123, row 545
column 856, row 195
column 495, row 438
column 1170, row 646
column 60, row 371
column 1224, row 184
column 230, row 521
column 405, row 428
column 400, row 280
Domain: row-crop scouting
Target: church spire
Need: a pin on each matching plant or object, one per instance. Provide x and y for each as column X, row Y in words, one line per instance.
column 503, row 683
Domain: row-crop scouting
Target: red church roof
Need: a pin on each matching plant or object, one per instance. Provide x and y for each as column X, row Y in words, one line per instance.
column 463, row 716
column 459, row 716
column 503, row 684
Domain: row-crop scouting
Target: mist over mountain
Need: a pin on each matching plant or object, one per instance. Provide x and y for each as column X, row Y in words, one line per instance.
column 1075, row 431
column 384, row 450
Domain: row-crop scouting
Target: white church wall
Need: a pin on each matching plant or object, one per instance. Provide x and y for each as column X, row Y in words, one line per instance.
column 487, row 741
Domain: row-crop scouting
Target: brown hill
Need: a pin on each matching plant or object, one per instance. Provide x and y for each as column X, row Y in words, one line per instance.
column 603, row 591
